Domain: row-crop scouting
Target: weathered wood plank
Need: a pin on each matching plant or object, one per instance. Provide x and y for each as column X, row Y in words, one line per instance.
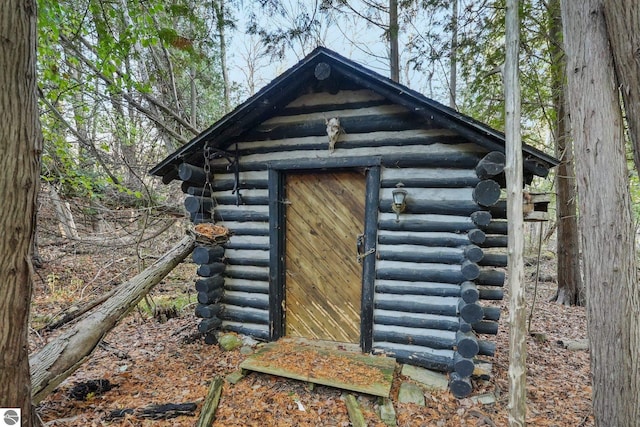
column 494, row 260
column 321, row 116
column 210, row 405
column 491, row 313
column 425, row 222
column 314, row 137
column 460, row 386
column 491, row 278
column 197, row 190
column 277, row 281
column 259, row 243
column 481, row 218
column 247, row 257
column 252, row 329
column 207, row 254
column 426, row 272
column 470, row 312
column 469, row 292
column 208, row 270
column 496, row 227
column 342, row 97
column 324, row 215
column 226, row 182
column 245, row 315
column 486, row 192
column 494, row 242
column 191, row 173
column 491, row 165
column 486, row 348
column 416, row 320
column 247, row 272
column 391, row 160
column 369, row 262
column 447, row 306
column 237, row 228
column 210, row 297
column 436, row 177
column 496, row 294
column 243, row 285
column 443, row 273
column 417, row 288
column 476, row 236
column 435, row 194
column 437, row 151
column 435, row 359
column 421, row 254
column 206, row 311
column 462, row 365
column 247, row 197
column 246, row 299
column 195, row 204
column 440, row 207
column 209, row 283
column 352, row 125
column 256, row 213
column 435, row 238
column 269, row 359
column 208, row 325
column 470, row 270
column 486, row 327
column 355, row 413
column 467, row 344
column 440, row 136
column 433, row 338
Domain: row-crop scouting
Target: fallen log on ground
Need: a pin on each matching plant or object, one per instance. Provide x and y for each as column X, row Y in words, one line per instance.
column 72, row 313
column 155, row 412
column 62, row 356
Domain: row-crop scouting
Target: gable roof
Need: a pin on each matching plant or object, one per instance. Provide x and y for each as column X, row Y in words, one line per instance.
column 286, row 87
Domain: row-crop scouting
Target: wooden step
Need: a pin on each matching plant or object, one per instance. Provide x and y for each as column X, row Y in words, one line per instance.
column 324, row 365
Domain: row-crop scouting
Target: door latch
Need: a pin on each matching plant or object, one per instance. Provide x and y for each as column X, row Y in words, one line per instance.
column 360, row 252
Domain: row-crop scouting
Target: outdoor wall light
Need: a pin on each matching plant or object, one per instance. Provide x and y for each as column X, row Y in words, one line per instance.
column 399, row 203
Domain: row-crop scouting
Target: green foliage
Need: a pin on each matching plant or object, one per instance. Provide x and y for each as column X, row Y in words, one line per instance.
column 118, row 80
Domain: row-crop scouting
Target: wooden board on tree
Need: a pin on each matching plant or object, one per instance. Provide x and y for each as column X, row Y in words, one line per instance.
column 337, row 368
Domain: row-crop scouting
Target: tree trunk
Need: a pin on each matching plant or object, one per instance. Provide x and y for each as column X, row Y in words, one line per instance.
column 613, row 295
column 513, row 170
column 453, row 57
column 570, row 285
column 623, row 24
column 63, row 213
column 218, row 8
column 62, row 356
column 21, row 145
column 394, row 51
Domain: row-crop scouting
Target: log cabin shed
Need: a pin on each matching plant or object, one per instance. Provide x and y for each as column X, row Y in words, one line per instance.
column 304, row 175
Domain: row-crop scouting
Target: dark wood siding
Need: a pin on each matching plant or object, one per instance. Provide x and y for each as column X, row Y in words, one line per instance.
column 417, row 307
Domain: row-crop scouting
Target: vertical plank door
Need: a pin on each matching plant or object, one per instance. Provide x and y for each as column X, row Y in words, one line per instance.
column 324, row 215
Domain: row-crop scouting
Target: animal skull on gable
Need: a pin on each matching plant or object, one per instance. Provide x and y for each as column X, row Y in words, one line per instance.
column 333, row 131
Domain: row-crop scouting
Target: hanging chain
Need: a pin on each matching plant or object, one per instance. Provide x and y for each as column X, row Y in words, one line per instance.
column 207, row 177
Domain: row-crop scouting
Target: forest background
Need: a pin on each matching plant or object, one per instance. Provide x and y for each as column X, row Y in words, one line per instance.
column 123, row 83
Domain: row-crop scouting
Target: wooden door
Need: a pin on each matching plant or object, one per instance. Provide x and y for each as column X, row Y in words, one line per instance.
column 324, row 215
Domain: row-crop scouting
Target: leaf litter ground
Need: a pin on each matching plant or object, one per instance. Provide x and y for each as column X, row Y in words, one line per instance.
column 147, row 362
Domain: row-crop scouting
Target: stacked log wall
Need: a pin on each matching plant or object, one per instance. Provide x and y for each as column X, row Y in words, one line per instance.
column 434, row 275
column 423, row 259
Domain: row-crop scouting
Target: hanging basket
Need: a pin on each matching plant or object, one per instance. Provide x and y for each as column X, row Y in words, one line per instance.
column 211, row 233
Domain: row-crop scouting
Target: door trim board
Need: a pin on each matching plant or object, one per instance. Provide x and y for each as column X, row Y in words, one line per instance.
column 277, row 207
